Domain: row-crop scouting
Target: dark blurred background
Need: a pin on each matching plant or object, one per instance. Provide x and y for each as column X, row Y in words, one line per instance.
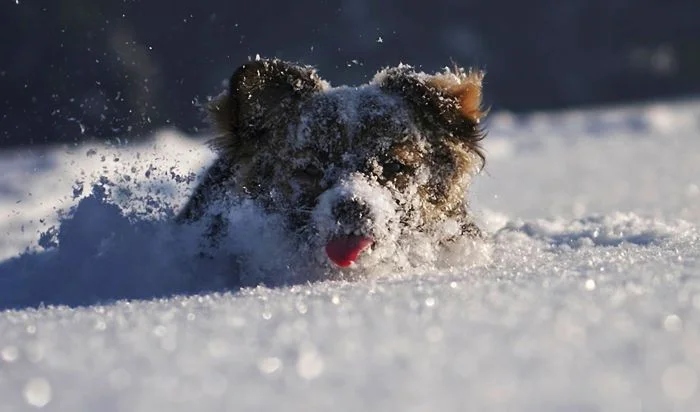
column 72, row 69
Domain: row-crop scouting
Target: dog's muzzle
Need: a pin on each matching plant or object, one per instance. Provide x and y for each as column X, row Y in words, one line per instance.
column 354, row 223
column 351, row 218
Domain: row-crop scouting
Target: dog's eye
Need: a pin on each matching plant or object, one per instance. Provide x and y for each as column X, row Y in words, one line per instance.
column 392, row 168
column 310, row 172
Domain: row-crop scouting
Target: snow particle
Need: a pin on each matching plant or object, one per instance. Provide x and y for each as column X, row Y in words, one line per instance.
column 430, row 302
column 679, row 382
column 302, row 308
column 37, row 392
column 335, row 299
column 673, row 323
column 100, row 325
column 160, row 331
column 269, row 365
column 9, row 354
column 590, row 285
column 310, row 364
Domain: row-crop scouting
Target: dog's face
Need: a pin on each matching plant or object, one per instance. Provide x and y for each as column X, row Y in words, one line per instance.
column 358, row 170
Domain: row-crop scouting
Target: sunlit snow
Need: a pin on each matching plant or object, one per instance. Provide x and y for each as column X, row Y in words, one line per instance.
column 586, row 297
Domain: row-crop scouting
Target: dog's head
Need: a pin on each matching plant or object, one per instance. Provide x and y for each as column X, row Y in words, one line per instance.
column 357, row 170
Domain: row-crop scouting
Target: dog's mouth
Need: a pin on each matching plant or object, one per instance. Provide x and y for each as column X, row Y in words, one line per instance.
column 344, row 250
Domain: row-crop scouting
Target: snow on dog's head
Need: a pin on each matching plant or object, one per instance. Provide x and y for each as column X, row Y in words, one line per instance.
column 360, row 172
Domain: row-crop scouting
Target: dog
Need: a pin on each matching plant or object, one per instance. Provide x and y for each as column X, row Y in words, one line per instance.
column 358, row 173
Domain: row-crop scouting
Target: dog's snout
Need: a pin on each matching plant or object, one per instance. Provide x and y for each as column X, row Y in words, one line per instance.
column 351, row 211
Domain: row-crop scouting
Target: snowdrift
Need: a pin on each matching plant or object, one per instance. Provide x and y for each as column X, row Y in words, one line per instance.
column 585, row 297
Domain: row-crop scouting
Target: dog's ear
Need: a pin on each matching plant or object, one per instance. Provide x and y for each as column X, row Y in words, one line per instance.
column 257, row 91
column 450, row 100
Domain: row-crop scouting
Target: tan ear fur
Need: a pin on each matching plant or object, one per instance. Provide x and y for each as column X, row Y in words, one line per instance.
column 465, row 87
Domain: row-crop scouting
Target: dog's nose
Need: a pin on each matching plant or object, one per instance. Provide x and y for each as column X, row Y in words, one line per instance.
column 351, row 211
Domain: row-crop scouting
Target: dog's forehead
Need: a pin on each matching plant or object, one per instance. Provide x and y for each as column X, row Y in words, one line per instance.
column 350, row 118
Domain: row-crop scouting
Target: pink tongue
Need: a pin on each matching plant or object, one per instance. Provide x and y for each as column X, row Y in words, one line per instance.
column 345, row 250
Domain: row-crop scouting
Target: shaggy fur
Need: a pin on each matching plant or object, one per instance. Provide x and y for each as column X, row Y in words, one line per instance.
column 384, row 160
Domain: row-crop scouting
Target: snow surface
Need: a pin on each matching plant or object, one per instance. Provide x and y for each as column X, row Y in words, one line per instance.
column 585, row 298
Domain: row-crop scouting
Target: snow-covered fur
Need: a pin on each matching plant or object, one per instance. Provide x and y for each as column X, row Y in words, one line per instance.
column 389, row 161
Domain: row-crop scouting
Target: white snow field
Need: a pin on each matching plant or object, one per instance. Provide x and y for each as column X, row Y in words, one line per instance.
column 585, row 298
